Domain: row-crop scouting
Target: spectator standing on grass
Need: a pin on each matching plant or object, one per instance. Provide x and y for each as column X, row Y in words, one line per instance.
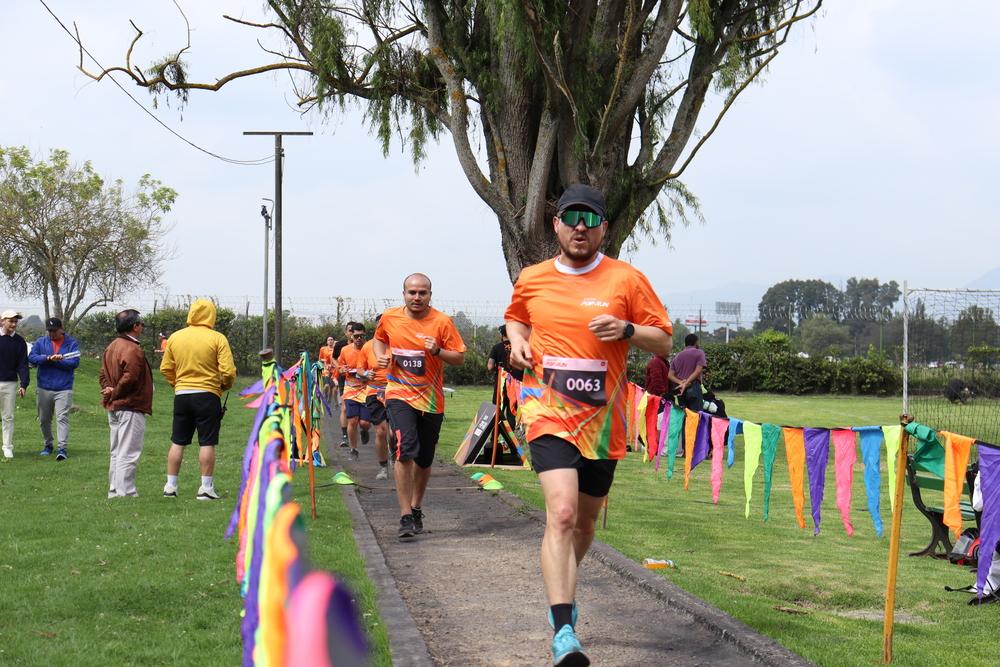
column 571, row 321
column 13, row 374
column 127, row 394
column 198, row 364
column 686, row 371
column 658, row 376
column 414, row 342
column 56, row 356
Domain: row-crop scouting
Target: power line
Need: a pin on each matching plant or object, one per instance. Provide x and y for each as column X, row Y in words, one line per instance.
column 257, row 162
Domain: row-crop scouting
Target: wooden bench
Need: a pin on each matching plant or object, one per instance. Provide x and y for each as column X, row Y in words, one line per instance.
column 922, row 480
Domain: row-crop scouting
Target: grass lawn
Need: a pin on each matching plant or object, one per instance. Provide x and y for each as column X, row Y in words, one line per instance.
column 136, row 581
column 820, row 596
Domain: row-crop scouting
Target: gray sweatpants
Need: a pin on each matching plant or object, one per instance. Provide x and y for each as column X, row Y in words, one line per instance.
column 128, row 429
column 58, row 403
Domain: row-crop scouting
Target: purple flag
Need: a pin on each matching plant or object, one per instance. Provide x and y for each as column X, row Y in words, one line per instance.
column 702, row 439
column 989, row 528
column 817, row 454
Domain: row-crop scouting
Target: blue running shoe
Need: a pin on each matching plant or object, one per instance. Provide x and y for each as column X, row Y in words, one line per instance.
column 552, row 621
column 46, row 451
column 566, row 649
column 61, row 455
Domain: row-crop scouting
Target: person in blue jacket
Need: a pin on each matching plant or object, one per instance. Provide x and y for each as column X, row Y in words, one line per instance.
column 56, row 356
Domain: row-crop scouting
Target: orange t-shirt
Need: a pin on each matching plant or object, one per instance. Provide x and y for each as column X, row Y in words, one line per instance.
column 415, row 376
column 577, row 389
column 354, row 389
column 369, row 362
column 326, row 357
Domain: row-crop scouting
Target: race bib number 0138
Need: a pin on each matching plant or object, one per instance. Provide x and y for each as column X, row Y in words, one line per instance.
column 411, row 361
column 580, row 379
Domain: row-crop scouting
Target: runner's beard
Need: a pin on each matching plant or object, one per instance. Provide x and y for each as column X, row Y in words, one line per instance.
column 579, row 252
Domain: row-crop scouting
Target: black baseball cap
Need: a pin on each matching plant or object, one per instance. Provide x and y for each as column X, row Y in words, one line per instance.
column 53, row 323
column 585, row 195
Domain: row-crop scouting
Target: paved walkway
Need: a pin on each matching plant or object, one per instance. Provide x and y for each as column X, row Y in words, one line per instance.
column 468, row 591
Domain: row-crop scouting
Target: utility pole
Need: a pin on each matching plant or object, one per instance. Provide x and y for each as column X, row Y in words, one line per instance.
column 267, row 236
column 278, row 159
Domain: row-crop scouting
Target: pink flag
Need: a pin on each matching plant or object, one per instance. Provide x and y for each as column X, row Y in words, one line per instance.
column 844, row 456
column 719, row 428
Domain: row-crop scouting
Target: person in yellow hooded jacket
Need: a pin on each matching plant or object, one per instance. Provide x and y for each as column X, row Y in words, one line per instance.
column 198, row 364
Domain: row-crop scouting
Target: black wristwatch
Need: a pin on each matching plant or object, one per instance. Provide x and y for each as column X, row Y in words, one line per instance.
column 629, row 331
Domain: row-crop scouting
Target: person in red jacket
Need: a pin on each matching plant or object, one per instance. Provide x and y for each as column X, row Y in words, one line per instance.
column 127, row 394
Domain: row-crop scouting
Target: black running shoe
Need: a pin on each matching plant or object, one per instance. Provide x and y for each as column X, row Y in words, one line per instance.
column 364, row 436
column 406, row 527
column 418, row 520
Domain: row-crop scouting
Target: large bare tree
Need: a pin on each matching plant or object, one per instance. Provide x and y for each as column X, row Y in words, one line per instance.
column 536, row 94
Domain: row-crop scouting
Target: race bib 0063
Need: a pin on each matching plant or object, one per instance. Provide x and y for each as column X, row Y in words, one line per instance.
column 580, row 379
column 411, row 361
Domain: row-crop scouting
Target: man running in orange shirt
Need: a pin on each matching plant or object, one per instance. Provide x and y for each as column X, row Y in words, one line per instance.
column 354, row 389
column 326, row 358
column 414, row 342
column 571, row 321
column 375, row 402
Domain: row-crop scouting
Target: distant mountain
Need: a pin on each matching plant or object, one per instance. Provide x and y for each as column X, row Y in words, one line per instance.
column 989, row 280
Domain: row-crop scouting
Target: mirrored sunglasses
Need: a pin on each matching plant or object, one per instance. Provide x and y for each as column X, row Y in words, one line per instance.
column 573, row 218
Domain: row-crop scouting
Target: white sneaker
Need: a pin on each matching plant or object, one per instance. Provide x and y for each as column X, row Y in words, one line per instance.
column 8, row 452
column 383, row 472
column 169, row 491
column 207, row 493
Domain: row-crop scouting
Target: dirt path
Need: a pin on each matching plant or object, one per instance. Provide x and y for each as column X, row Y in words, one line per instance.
column 473, row 587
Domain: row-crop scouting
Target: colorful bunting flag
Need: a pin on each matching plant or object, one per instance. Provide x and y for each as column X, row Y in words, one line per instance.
column 795, row 456
column 817, row 442
column 770, row 436
column 751, row 452
column 697, row 446
column 719, row 428
column 893, row 440
column 844, row 456
column 956, row 462
column 989, row 528
column 735, row 428
column 674, row 437
column 871, row 447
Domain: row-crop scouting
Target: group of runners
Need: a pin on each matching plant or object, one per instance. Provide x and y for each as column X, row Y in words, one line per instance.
column 570, row 323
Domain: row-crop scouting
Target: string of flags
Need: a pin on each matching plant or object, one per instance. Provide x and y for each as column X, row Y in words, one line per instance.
column 292, row 614
column 807, row 454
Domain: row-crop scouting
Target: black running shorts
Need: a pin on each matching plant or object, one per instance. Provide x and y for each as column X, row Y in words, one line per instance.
column 376, row 410
column 551, row 453
column 416, row 432
column 201, row 411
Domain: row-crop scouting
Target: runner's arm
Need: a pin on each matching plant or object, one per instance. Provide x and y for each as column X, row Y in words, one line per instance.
column 520, row 349
column 609, row 328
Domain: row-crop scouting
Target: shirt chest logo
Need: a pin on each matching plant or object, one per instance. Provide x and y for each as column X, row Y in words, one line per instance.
column 594, row 303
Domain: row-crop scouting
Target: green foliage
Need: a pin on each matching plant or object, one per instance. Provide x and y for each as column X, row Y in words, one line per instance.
column 767, row 362
column 73, row 240
column 822, row 337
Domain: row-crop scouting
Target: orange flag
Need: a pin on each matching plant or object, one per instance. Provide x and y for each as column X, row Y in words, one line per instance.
column 956, row 461
column 795, row 454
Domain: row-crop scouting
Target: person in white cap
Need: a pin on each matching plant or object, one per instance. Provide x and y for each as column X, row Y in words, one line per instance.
column 13, row 374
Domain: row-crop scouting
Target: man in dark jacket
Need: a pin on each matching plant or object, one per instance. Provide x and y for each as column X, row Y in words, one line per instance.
column 56, row 356
column 127, row 394
column 13, row 368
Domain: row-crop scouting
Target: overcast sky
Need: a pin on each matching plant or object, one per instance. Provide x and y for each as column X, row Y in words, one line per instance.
column 870, row 150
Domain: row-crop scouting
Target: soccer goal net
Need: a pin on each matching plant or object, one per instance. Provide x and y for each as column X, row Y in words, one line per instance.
column 951, row 376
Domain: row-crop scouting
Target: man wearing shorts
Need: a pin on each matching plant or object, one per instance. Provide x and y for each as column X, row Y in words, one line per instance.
column 570, row 322
column 350, row 362
column 341, row 380
column 375, row 402
column 326, row 358
column 413, row 342
column 198, row 364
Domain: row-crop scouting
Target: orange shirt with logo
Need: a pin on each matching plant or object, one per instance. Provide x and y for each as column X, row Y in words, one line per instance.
column 326, row 358
column 354, row 389
column 415, row 376
column 369, row 362
column 577, row 389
